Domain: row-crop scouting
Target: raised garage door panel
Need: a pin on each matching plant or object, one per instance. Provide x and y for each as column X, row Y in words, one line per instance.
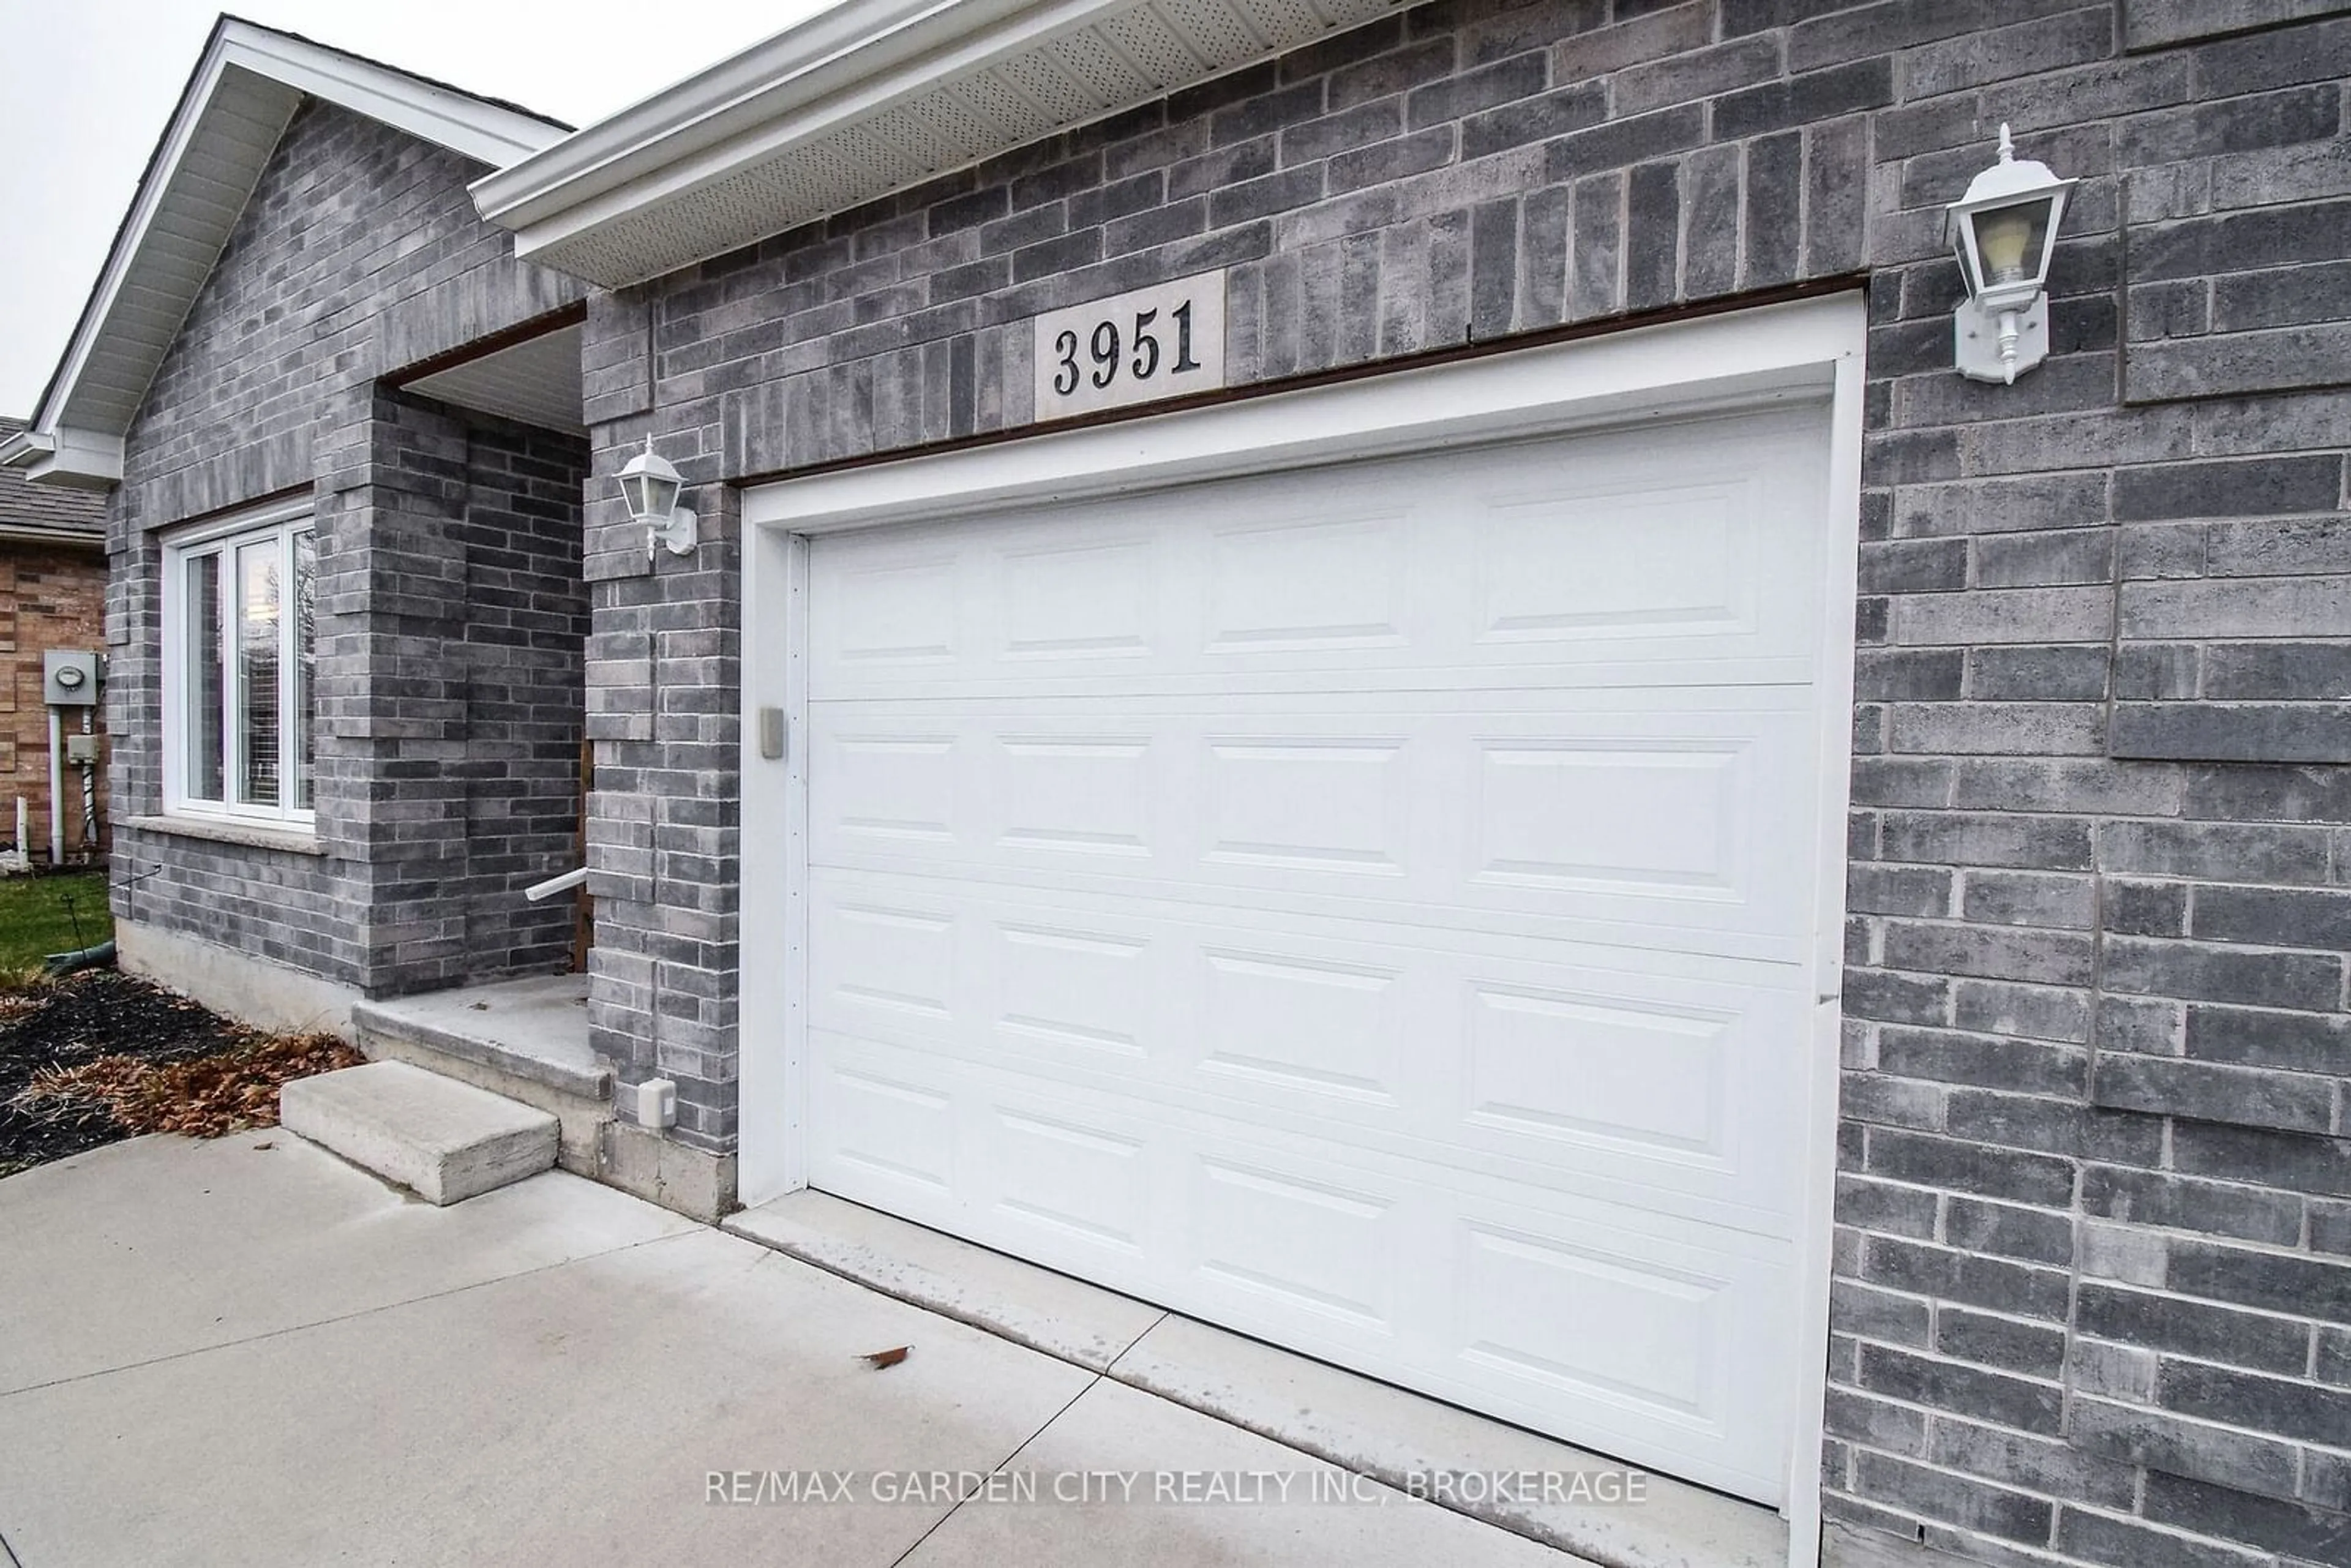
column 1367, row 907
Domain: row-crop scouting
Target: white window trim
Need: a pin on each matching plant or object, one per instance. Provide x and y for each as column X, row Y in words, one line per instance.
column 282, row 520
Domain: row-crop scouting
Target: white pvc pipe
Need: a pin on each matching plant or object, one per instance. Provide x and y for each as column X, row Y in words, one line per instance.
column 540, row 892
column 57, row 788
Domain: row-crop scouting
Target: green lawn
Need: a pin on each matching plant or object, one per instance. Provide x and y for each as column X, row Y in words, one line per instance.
column 44, row 915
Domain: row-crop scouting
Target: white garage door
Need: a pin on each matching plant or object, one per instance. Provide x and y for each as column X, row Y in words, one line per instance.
column 1368, row 907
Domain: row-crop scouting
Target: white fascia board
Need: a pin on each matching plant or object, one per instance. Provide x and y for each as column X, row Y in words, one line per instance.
column 487, row 132
column 177, row 139
column 788, row 90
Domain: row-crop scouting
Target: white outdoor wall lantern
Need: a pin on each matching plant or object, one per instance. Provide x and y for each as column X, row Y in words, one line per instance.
column 2003, row 232
column 651, row 486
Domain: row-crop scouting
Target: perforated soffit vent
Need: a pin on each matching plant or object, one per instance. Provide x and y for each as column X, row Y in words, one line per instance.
column 1123, row 57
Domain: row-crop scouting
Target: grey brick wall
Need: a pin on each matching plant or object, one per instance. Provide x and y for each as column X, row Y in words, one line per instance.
column 466, row 697
column 449, row 585
column 525, row 606
column 2093, row 1268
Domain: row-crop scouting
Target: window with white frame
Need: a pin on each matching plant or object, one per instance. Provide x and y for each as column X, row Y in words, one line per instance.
column 240, row 616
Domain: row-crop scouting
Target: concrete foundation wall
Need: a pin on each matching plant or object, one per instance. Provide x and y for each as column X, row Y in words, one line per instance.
column 235, row 984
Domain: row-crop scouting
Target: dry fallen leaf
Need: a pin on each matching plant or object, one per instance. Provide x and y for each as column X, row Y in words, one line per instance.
column 881, row 1358
column 258, row 1147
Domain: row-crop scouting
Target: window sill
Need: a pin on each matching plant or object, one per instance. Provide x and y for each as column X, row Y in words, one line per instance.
column 252, row 835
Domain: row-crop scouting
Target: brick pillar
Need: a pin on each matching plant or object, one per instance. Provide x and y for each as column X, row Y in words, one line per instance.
column 396, row 604
column 664, row 677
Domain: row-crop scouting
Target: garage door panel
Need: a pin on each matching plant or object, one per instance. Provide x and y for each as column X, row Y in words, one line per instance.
column 1599, row 814
column 898, row 786
column 1558, row 562
column 1658, row 825
column 882, row 954
column 1498, row 1056
column 1579, row 1066
column 1664, row 1331
column 1339, row 804
column 1305, row 1026
column 1062, row 794
column 897, row 610
column 1066, row 986
column 1326, row 1246
column 1550, row 1310
column 886, row 1126
column 1662, row 1337
column 1521, row 558
column 1309, row 583
column 1058, row 597
column 1056, row 1171
column 1371, row 907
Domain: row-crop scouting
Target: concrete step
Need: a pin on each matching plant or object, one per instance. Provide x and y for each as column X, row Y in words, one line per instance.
column 443, row 1140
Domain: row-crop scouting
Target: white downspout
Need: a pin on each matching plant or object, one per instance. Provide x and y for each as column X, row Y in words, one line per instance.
column 57, row 788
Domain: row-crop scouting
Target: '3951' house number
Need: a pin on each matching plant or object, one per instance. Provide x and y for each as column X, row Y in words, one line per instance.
column 1167, row 341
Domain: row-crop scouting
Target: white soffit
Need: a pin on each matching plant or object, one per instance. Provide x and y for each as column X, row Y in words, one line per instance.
column 245, row 89
column 535, row 381
column 864, row 99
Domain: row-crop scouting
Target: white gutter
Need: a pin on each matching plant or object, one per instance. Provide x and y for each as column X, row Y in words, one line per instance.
column 853, row 39
column 476, row 128
column 24, row 448
column 872, row 97
column 73, row 459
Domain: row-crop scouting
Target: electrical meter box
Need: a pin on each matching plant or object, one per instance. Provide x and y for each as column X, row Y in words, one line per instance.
column 69, row 677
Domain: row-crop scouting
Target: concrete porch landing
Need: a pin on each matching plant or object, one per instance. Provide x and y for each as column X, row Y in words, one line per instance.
column 534, row 1029
column 527, row 1039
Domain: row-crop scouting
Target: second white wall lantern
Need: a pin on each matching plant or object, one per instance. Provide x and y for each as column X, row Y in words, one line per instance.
column 2003, row 232
column 652, row 485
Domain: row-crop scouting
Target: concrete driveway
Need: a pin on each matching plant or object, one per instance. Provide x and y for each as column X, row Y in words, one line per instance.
column 247, row 1352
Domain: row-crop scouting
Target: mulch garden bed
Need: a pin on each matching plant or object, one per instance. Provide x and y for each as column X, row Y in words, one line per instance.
column 100, row 1056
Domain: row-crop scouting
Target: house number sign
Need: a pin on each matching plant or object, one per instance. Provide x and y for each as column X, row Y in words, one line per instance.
column 1167, row 341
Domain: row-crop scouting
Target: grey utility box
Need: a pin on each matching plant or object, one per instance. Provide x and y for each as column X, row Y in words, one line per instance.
column 69, row 677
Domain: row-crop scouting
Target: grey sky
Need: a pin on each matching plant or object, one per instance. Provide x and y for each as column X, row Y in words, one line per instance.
column 86, row 87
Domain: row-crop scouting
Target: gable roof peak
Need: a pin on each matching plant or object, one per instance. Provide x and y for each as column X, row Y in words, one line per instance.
column 244, row 89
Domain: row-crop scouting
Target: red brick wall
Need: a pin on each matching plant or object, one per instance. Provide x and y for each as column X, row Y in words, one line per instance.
column 49, row 598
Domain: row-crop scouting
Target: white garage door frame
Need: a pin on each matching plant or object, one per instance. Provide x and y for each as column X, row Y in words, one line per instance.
column 1804, row 352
